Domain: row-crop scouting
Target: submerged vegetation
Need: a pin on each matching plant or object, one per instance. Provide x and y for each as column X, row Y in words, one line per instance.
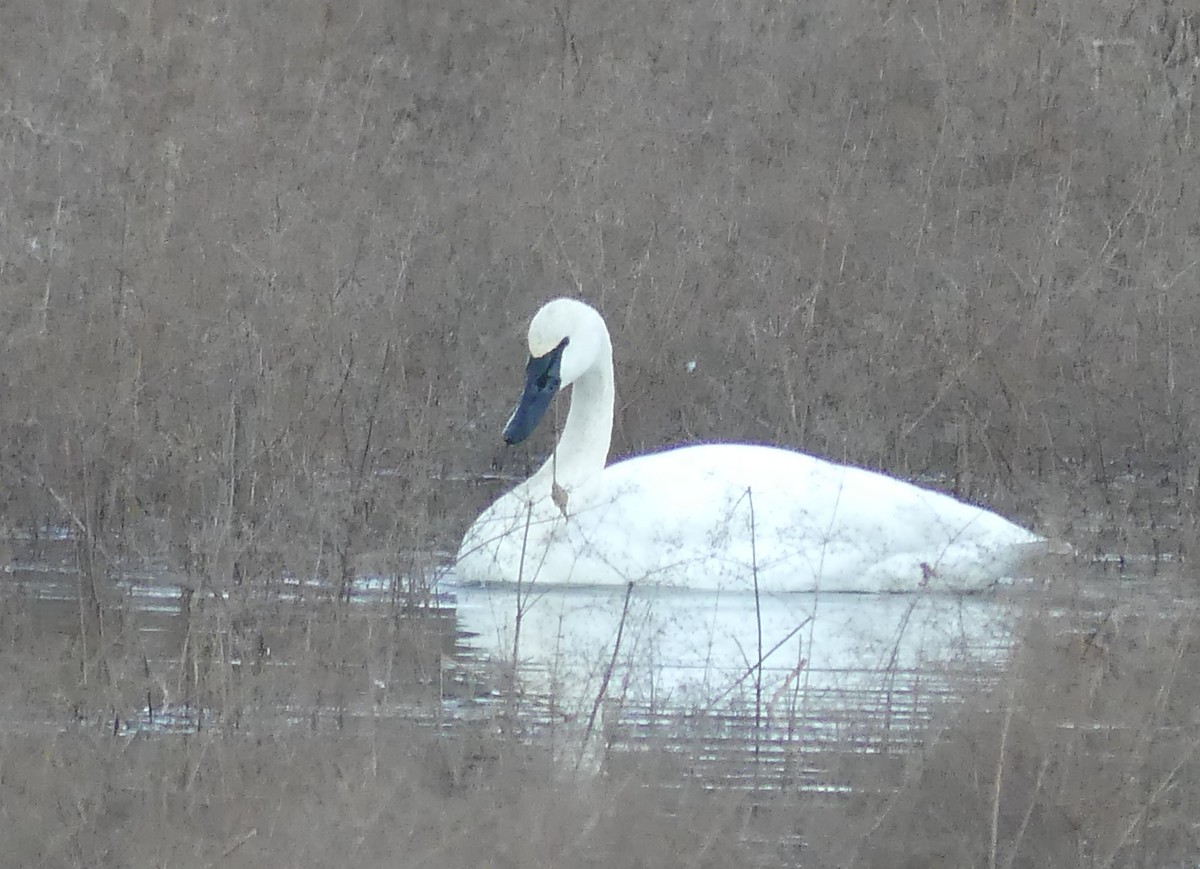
column 262, row 270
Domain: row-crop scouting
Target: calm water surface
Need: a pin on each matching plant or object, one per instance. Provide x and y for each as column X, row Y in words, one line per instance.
column 630, row 665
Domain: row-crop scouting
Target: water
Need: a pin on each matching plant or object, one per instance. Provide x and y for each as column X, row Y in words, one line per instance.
column 679, row 669
column 845, row 672
column 670, row 647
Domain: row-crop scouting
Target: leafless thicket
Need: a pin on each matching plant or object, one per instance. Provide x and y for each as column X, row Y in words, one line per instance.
column 254, row 258
column 265, row 269
column 1084, row 755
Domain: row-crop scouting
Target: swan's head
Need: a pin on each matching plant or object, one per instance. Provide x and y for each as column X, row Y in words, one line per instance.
column 566, row 338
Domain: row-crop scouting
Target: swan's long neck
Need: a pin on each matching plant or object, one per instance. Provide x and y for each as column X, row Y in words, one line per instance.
column 582, row 450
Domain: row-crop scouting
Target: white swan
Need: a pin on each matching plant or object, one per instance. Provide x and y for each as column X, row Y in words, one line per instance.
column 716, row 516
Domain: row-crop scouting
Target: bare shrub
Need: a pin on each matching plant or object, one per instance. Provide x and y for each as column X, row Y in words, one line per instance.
column 266, row 268
column 385, row 798
column 252, row 262
column 1085, row 753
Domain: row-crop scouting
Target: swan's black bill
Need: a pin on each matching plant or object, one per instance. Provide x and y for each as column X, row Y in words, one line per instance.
column 542, row 380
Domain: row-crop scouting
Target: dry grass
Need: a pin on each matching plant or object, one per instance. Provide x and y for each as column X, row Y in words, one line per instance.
column 1085, row 752
column 386, row 798
column 265, row 270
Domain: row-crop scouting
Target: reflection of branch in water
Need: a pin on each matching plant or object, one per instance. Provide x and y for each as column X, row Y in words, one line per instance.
column 890, row 670
column 513, row 699
column 608, row 671
column 802, row 689
column 757, row 666
column 801, row 666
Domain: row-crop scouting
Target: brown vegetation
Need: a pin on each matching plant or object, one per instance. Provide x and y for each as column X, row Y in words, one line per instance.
column 265, row 270
column 1085, row 753
column 255, row 257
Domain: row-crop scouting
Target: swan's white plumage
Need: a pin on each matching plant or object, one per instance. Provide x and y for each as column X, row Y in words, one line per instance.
column 684, row 516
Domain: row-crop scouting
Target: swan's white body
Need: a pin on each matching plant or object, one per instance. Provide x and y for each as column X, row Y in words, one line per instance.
column 718, row 516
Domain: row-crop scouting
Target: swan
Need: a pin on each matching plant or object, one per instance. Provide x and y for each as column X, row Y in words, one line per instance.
column 713, row 517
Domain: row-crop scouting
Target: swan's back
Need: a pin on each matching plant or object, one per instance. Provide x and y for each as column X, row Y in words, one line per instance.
column 720, row 515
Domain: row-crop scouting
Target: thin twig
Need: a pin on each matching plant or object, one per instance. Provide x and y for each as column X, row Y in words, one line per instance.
column 758, row 681
column 612, row 664
column 995, row 831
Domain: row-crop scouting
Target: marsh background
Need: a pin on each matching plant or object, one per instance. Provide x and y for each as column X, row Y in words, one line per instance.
column 266, row 270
